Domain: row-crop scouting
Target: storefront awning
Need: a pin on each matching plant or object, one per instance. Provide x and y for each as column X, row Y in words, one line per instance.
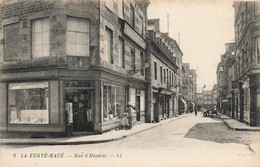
column 185, row 104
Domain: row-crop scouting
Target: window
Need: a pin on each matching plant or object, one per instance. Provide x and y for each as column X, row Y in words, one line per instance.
column 121, row 52
column 109, row 4
column 155, row 70
column 77, row 37
column 170, row 77
column 161, row 74
column 164, row 74
column 141, row 25
column 142, row 63
column 113, row 102
column 132, row 58
column 132, row 16
column 257, row 51
column 28, row 103
column 167, row 76
column 109, row 45
column 12, row 42
column 40, row 37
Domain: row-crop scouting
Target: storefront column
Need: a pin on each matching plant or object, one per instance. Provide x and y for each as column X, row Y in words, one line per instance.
column 3, row 106
column 97, row 107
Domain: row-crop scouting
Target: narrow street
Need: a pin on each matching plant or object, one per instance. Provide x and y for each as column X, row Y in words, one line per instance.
column 189, row 141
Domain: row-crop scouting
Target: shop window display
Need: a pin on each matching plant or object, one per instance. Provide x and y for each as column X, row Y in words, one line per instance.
column 114, row 102
column 28, row 103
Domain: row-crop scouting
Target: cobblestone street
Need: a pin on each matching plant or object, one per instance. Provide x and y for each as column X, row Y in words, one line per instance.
column 189, row 141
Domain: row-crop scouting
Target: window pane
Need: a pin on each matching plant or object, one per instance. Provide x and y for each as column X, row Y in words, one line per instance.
column 38, row 51
column 82, row 50
column 71, row 49
column 72, row 24
column 37, row 26
column 37, row 39
column 45, row 51
column 28, row 103
column 83, row 39
column 45, row 38
column 71, row 37
column 82, row 25
column 45, row 25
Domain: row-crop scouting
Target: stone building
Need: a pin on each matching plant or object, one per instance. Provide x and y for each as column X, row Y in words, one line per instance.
column 207, row 98
column 189, row 86
column 246, row 82
column 225, row 76
column 161, row 74
column 71, row 64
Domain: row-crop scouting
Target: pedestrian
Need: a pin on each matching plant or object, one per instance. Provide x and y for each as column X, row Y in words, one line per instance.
column 195, row 112
column 129, row 115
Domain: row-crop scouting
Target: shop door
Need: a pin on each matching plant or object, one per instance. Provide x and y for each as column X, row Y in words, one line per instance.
column 138, row 108
column 82, row 108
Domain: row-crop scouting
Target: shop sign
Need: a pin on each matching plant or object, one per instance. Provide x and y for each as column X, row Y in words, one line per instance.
column 36, row 74
column 78, row 84
column 224, row 100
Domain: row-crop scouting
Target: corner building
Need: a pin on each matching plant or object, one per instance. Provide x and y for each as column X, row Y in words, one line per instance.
column 65, row 65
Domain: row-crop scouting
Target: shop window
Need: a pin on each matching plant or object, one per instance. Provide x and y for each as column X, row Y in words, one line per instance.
column 28, row 103
column 40, row 37
column 109, row 45
column 121, row 52
column 113, row 102
column 77, row 37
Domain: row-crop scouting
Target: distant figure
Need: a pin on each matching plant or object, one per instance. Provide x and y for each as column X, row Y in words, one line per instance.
column 195, row 112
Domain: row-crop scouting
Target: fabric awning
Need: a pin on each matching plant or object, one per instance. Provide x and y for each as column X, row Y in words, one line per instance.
column 185, row 104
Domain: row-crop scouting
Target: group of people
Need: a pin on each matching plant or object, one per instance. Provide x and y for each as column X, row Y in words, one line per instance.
column 128, row 117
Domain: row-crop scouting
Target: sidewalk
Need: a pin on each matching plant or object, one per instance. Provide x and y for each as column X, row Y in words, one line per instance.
column 236, row 125
column 100, row 138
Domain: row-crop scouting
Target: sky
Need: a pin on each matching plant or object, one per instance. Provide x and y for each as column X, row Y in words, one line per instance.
column 203, row 27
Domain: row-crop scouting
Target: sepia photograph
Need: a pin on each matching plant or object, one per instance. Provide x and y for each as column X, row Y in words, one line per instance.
column 129, row 83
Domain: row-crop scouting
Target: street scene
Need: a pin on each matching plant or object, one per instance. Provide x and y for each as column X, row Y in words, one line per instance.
column 188, row 141
column 129, row 83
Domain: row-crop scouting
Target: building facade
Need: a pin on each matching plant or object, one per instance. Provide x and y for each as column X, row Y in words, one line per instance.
column 189, row 86
column 207, row 98
column 247, row 62
column 76, row 63
column 225, row 76
column 161, row 75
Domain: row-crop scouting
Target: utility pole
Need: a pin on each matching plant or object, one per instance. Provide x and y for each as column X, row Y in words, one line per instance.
column 168, row 23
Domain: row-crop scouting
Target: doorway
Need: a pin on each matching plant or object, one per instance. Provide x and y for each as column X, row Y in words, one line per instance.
column 138, row 108
column 82, row 112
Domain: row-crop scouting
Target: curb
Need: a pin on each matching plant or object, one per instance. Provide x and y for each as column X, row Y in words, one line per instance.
column 87, row 142
column 238, row 129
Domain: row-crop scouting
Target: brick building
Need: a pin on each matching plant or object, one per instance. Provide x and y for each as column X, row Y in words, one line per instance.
column 71, row 62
